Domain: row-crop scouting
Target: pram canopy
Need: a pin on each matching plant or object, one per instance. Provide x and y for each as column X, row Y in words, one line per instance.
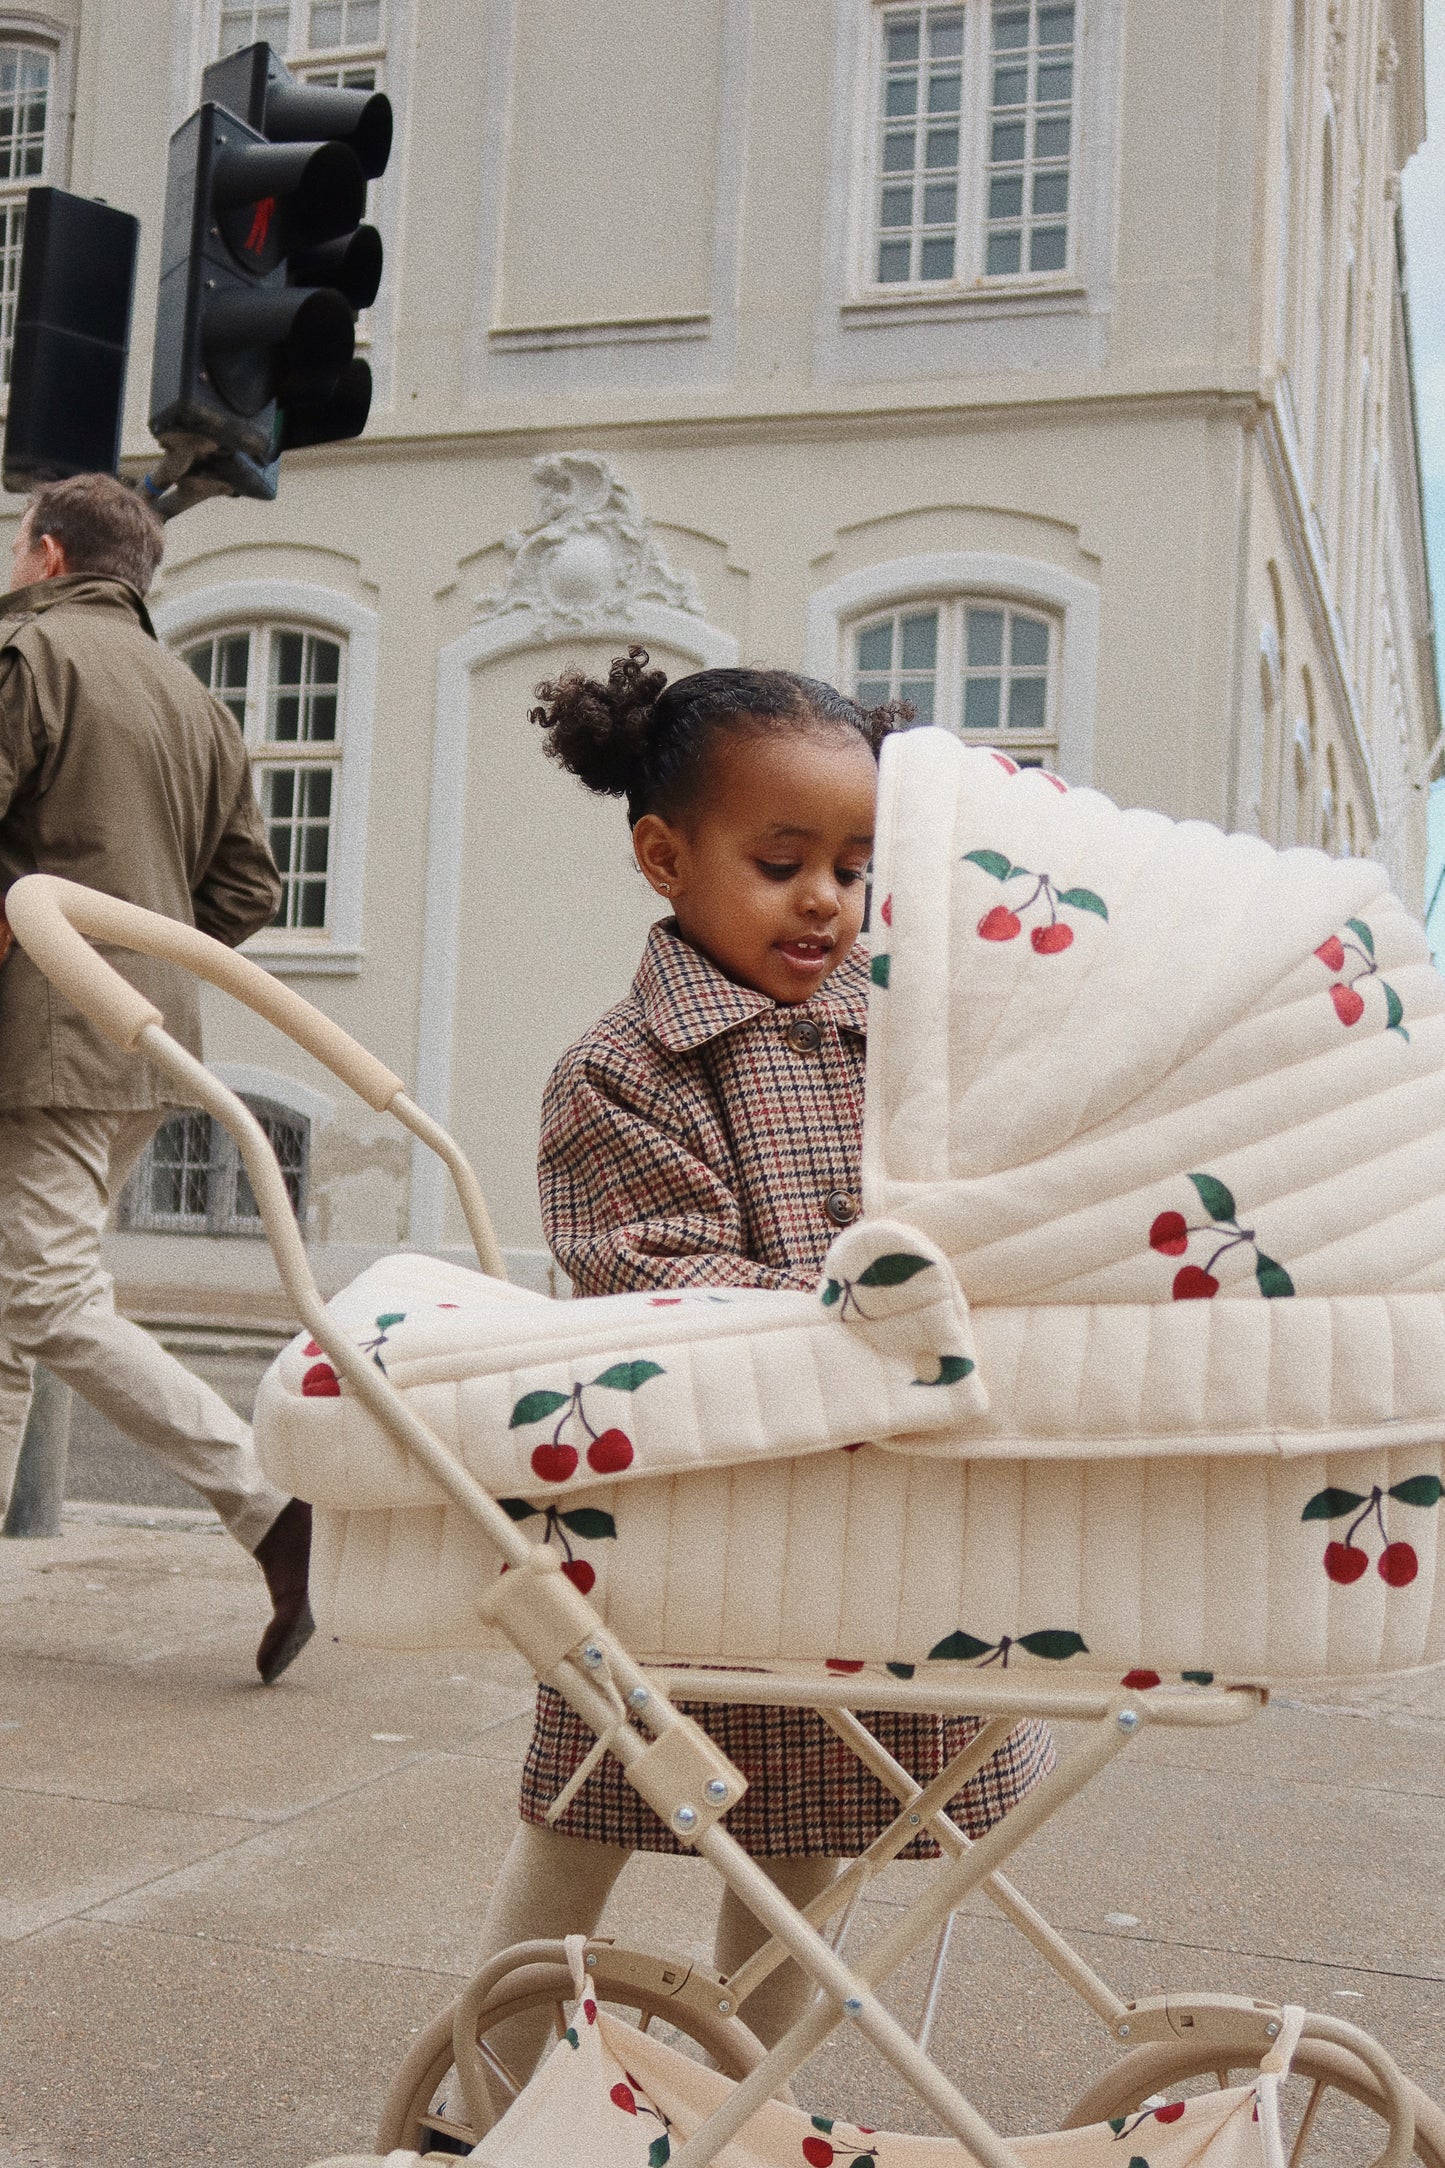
column 1143, row 1323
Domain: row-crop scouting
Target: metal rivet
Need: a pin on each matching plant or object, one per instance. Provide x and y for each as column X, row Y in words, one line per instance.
column 638, row 1698
column 853, row 2004
column 1124, row 2032
column 592, row 1656
column 1128, row 1720
column 914, row 1820
column 591, row 1964
column 1270, row 2031
column 725, row 2006
column 717, row 1791
column 686, row 1818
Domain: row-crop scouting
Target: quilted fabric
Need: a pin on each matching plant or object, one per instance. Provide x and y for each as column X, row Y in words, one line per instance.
column 1145, row 1316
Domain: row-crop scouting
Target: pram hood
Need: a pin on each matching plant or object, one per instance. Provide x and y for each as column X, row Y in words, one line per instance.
column 1154, row 1164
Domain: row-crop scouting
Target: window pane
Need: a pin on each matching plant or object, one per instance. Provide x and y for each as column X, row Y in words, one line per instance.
column 945, row 93
column 1006, row 196
column 1055, row 82
column 222, row 664
column 304, row 683
column 180, row 1169
column 1026, row 704
column 942, row 147
column 328, row 26
column 1008, row 142
column 980, row 704
column 892, row 261
column 1056, row 26
column 901, row 39
column 898, row 151
column 939, row 204
column 922, row 54
column 875, row 647
column 920, row 692
column 248, row 25
column 1010, row 86
column 985, row 639
column 288, row 1136
column 897, row 207
column 920, row 641
column 1004, row 252
column 12, row 240
column 945, row 34
column 936, row 259
column 1051, row 194
column 902, row 97
column 870, row 690
column 1051, row 139
column 296, row 803
column 1047, row 248
column 1010, row 29
column 24, row 98
column 1033, row 69
column 1028, row 642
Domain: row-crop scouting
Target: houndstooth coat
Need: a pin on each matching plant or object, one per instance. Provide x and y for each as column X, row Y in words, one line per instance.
column 703, row 1135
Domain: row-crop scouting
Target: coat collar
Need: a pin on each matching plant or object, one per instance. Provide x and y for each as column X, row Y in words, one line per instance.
column 96, row 590
column 686, row 1001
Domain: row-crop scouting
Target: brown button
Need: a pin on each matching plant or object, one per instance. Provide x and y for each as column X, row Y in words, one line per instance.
column 841, row 1209
column 803, row 1035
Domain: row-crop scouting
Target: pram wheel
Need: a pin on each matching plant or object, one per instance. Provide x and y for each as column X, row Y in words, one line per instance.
column 475, row 2090
column 1340, row 2064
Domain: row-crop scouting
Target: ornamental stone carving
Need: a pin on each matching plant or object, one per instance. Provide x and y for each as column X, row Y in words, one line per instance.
column 588, row 558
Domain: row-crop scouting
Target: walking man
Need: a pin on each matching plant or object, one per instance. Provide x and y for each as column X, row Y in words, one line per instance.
column 117, row 769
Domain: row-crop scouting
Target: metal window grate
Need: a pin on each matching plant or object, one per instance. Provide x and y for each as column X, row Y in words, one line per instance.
column 191, row 1179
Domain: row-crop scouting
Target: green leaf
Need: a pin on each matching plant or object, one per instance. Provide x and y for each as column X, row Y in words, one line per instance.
column 570, row 2036
column 1394, row 1010
column 1418, row 1490
column 1197, row 1678
column 1332, row 1505
column 392, row 1317
column 832, row 1289
column 1272, row 1278
column 1116, row 2124
column 878, row 969
column 1138, row 2161
column 992, row 862
column 902, row 1671
column 659, row 2152
column 1217, row 1201
column 950, row 1369
column 588, row 1522
column 1084, row 899
column 863, row 2160
column 517, row 1509
column 822, row 2122
column 1363, row 934
column 959, row 1648
column 892, row 1269
column 533, row 1406
column 626, row 1377
column 1056, row 1643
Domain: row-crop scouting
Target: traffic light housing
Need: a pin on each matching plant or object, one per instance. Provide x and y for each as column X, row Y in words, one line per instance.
column 264, row 264
column 71, row 339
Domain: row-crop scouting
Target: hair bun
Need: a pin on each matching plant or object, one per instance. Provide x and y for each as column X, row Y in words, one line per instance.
column 598, row 732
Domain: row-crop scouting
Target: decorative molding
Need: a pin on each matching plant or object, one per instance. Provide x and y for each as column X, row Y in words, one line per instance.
column 945, row 573
column 589, row 560
column 524, row 615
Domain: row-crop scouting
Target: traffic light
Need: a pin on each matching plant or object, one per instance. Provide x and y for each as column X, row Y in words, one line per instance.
column 72, row 337
column 264, row 264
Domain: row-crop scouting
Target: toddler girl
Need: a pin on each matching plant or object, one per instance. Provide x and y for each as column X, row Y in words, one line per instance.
column 707, row 1132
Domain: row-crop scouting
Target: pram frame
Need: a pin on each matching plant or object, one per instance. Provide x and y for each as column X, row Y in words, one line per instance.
column 668, row 1758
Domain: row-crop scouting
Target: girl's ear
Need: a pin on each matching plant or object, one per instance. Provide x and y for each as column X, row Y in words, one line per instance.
column 661, row 854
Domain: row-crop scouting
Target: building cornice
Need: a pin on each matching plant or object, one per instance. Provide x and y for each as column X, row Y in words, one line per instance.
column 1307, row 558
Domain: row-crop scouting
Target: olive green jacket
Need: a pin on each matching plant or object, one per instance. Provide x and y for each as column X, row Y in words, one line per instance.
column 117, row 769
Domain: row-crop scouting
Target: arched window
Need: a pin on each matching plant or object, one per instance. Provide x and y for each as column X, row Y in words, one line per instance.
column 190, row 1179
column 980, row 665
column 26, row 126
column 296, row 666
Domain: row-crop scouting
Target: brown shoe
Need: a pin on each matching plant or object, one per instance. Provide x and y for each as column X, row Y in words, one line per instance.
column 284, row 1555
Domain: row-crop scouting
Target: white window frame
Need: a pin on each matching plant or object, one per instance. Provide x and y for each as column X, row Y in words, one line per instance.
column 950, row 668
column 240, row 606
column 44, row 34
column 299, row 53
column 969, row 276
column 975, row 576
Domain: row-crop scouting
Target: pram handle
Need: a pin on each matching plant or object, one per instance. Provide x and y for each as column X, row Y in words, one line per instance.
column 55, row 922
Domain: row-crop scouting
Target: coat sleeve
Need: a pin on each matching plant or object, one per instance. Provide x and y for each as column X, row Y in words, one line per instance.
column 629, row 1202
column 23, row 743
column 240, row 889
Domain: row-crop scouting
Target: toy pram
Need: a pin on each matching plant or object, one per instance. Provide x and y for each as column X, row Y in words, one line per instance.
column 1124, row 1397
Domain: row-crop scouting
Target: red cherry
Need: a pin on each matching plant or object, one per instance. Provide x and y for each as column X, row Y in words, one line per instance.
column 1048, row 940
column 885, row 910
column 817, row 2153
column 554, row 1463
column 1398, row 1564
column 1331, row 953
column 1193, row 1284
column 1169, row 1234
column 844, row 1663
column 1344, row 1563
column 589, row 2011
column 1140, row 1679
column 999, row 924
column 622, row 2096
column 580, row 1574
column 1349, row 1005
column 1170, row 2112
column 610, row 1452
column 320, row 1383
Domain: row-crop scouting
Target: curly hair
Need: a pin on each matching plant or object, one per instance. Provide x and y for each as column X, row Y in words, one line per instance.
column 640, row 738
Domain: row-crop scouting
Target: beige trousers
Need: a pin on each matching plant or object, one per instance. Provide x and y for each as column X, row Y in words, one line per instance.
column 59, row 1168
column 551, row 1885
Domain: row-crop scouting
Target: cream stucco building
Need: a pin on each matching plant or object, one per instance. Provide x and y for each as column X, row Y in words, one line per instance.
column 1047, row 362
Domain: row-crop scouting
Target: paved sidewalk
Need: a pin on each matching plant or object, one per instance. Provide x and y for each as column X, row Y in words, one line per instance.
column 224, row 1912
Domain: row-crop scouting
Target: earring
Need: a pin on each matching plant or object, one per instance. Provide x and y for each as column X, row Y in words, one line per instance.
column 665, row 888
